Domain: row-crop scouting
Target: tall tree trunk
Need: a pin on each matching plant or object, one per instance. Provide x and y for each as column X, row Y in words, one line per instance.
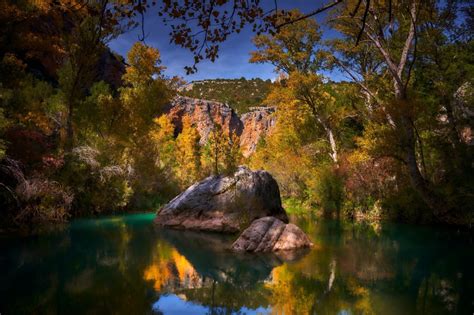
column 408, row 144
column 332, row 142
column 418, row 182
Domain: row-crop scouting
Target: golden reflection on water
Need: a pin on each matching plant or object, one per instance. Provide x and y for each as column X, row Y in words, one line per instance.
column 127, row 265
column 170, row 270
column 328, row 278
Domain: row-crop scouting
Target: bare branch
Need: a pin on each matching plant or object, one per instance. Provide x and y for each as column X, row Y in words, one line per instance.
column 408, row 41
column 364, row 19
column 353, row 77
column 388, row 59
column 313, row 13
column 356, row 9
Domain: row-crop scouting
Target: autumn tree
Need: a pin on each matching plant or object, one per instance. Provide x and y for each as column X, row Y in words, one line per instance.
column 395, row 35
column 232, row 153
column 162, row 135
column 83, row 45
column 188, row 154
column 145, row 91
column 222, row 152
column 326, row 112
column 293, row 48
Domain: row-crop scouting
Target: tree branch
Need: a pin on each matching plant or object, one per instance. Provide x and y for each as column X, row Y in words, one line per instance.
column 408, row 41
column 313, row 13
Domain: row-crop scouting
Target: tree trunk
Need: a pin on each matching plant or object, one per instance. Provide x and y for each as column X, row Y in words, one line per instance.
column 332, row 142
column 408, row 144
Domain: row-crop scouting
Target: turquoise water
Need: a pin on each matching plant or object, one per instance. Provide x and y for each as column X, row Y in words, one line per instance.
column 125, row 265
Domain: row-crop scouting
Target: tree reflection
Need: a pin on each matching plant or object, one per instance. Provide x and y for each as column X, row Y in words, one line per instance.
column 124, row 265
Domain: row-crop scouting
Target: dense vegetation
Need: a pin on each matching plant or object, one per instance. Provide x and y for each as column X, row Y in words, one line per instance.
column 82, row 134
column 78, row 137
column 391, row 142
column 240, row 94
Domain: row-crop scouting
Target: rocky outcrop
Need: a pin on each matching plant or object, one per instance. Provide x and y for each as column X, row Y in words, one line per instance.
column 250, row 127
column 204, row 114
column 256, row 124
column 224, row 203
column 269, row 234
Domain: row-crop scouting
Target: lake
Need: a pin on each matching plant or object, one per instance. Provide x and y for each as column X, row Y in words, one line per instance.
column 125, row 265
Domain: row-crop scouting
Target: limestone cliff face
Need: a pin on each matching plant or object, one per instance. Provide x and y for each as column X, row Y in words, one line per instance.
column 256, row 124
column 204, row 114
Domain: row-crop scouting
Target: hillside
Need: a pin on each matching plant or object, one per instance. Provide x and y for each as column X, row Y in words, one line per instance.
column 240, row 94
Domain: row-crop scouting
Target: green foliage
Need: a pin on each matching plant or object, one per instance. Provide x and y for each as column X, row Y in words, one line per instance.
column 240, row 94
column 330, row 191
column 395, row 141
column 295, row 206
column 98, row 184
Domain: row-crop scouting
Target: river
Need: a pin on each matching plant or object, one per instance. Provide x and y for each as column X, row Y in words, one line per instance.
column 125, row 265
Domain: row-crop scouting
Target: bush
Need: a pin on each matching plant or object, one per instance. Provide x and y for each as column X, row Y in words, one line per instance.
column 98, row 185
column 330, row 191
column 43, row 200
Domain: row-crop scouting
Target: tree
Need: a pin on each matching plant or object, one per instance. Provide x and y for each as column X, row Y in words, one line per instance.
column 222, row 152
column 232, row 153
column 162, row 135
column 394, row 34
column 145, row 92
column 188, row 154
column 327, row 114
column 83, row 46
column 292, row 48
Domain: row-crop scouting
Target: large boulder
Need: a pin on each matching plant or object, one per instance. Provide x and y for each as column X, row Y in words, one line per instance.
column 269, row 234
column 224, row 203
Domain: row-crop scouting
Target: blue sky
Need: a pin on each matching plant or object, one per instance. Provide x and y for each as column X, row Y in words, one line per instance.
column 233, row 54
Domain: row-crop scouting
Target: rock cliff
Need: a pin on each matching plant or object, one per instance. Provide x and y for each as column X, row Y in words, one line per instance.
column 256, row 124
column 250, row 127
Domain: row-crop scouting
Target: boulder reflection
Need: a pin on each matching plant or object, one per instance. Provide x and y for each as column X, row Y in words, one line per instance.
column 124, row 265
column 199, row 268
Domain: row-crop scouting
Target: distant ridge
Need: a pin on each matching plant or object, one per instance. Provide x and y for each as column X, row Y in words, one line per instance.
column 239, row 94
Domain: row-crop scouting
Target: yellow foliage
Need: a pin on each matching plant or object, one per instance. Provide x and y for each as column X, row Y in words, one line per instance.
column 188, row 154
column 222, row 153
column 292, row 48
column 162, row 270
column 143, row 64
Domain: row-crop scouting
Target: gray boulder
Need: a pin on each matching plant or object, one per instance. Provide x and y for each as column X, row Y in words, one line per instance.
column 224, row 203
column 269, row 234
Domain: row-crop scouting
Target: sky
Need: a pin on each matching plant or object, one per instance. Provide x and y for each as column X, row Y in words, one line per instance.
column 233, row 53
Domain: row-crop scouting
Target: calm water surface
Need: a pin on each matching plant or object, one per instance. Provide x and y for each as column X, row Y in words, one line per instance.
column 124, row 265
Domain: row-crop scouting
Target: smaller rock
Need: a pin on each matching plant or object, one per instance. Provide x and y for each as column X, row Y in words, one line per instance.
column 269, row 234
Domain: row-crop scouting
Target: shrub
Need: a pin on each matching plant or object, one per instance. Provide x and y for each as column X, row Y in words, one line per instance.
column 99, row 185
column 43, row 200
column 330, row 191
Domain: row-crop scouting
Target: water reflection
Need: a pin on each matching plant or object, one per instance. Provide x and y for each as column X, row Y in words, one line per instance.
column 123, row 265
